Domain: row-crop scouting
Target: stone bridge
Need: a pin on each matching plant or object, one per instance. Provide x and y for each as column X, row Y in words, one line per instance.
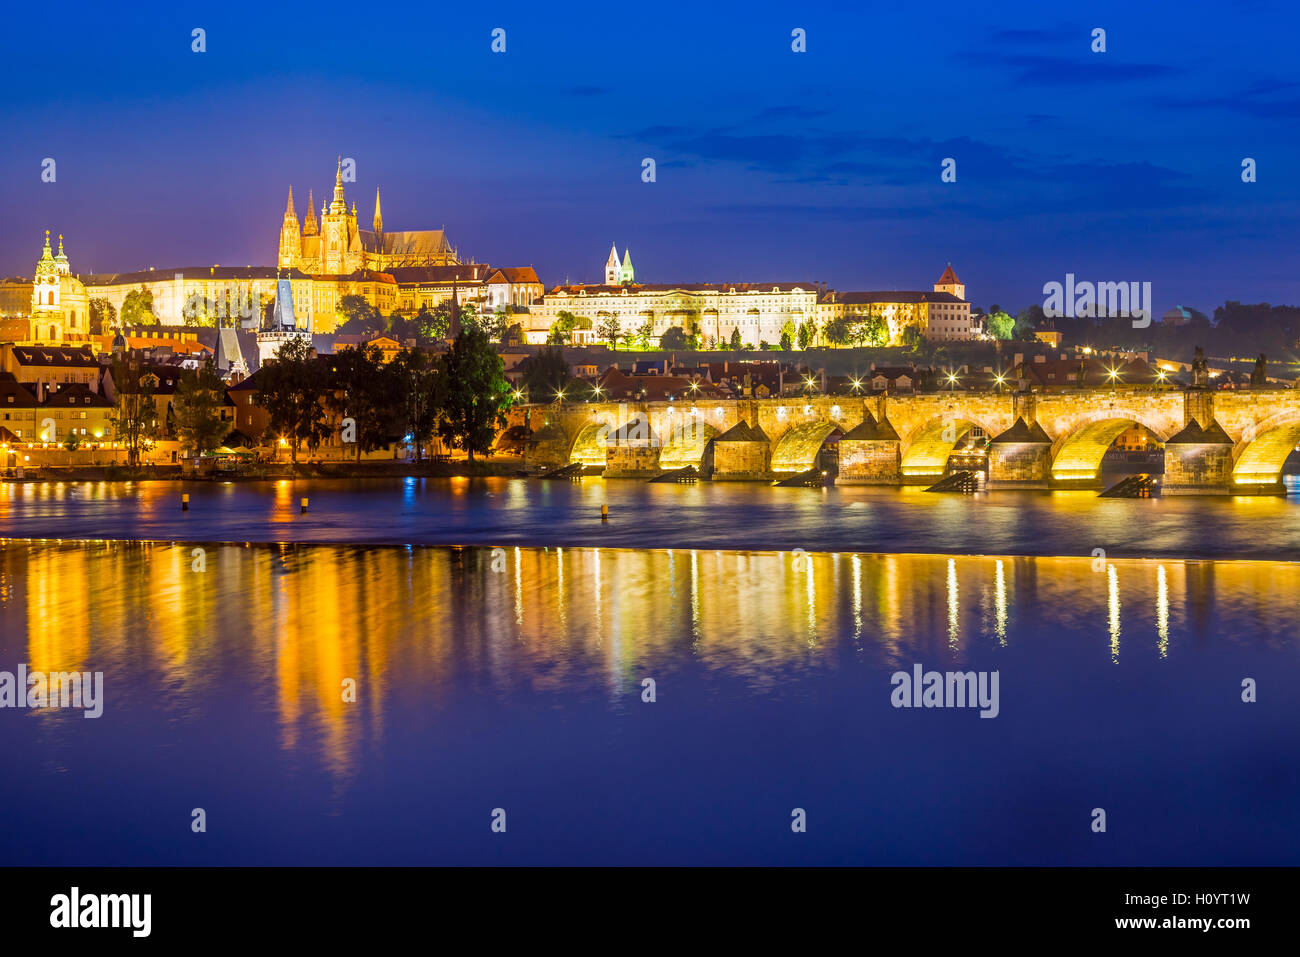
column 1216, row 442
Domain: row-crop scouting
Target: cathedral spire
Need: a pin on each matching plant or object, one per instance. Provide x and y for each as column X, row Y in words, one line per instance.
column 379, row 219
column 339, row 205
column 288, row 207
column 309, row 224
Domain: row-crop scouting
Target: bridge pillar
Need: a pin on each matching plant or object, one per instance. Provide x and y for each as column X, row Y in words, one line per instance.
column 1198, row 461
column 1198, row 406
column 870, row 454
column 742, row 453
column 1021, row 457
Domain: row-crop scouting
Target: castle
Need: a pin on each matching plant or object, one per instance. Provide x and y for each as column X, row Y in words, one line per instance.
column 336, row 247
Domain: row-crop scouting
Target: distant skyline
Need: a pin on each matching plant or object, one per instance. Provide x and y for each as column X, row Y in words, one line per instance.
column 771, row 165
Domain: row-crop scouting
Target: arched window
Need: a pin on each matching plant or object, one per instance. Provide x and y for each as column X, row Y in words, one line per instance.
column 54, row 332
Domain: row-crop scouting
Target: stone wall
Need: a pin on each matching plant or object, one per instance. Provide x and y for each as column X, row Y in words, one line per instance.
column 742, row 461
column 870, row 462
column 1020, row 464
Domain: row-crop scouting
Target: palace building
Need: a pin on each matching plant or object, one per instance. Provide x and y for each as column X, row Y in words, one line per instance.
column 335, row 246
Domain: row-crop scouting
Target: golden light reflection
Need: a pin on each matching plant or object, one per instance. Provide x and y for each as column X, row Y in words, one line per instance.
column 279, row 628
column 1000, row 603
column 1162, row 611
column 954, row 606
column 1112, row 606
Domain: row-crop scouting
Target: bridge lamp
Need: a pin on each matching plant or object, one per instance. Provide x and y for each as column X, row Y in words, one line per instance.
column 857, row 384
column 519, row 394
column 1161, row 374
column 695, row 386
column 559, row 394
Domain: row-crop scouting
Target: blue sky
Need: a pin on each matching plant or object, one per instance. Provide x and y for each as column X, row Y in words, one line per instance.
column 824, row 165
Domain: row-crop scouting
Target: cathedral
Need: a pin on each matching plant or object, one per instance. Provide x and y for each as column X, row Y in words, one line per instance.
column 334, row 246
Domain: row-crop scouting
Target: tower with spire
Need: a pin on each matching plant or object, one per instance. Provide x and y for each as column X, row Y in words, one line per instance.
column 612, row 269
column 60, row 304
column 309, row 227
column 626, row 275
column 379, row 219
column 290, row 237
column 949, row 283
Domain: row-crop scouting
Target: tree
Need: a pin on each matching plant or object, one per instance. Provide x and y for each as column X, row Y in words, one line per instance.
column 1001, row 325
column 643, row 334
column 673, row 339
column 804, row 335
column 787, row 340
column 102, row 316
column 430, row 325
column 417, row 380
column 358, row 317
column 546, row 374
column 839, row 331
column 197, row 408
column 493, row 324
column 137, row 308
column 290, row 389
column 561, row 332
column 514, row 335
column 361, row 389
column 609, row 330
column 134, row 417
column 871, row 331
column 692, row 332
column 477, row 395
column 735, row 339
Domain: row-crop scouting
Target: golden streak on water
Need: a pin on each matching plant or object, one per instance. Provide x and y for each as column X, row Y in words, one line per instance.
column 954, row 606
column 1000, row 603
column 857, row 598
column 1162, row 611
column 1112, row 604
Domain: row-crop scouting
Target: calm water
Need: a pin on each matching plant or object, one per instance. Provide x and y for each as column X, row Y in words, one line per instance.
column 512, row 679
column 728, row 516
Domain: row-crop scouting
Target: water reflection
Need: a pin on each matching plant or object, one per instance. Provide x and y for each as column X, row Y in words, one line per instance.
column 281, row 628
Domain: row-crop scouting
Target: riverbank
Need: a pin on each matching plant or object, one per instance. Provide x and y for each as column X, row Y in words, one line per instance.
column 498, row 465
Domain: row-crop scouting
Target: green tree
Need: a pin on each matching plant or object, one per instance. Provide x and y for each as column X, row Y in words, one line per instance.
column 358, row 318
column 871, row 331
column 514, row 335
column 804, row 335
column 787, row 340
column 735, row 339
column 137, row 308
column 546, row 374
column 135, row 417
column 431, row 325
column 362, row 390
column 1001, row 325
column 477, row 395
column 197, row 408
column 290, row 388
column 839, row 331
column 561, row 332
column 609, row 330
column 417, row 380
column 643, row 334
column 673, row 339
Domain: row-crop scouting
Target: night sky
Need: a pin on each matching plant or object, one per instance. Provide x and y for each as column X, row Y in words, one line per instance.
column 772, row 165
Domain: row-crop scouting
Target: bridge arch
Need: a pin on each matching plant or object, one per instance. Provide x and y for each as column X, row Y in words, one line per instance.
column 1264, row 448
column 589, row 445
column 930, row 446
column 686, row 444
column 1077, row 454
column 798, row 447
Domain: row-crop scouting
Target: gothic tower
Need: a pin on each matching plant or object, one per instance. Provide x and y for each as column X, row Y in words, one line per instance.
column 612, row 270
column 309, row 224
column 626, row 275
column 379, row 219
column 949, row 282
column 290, row 237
